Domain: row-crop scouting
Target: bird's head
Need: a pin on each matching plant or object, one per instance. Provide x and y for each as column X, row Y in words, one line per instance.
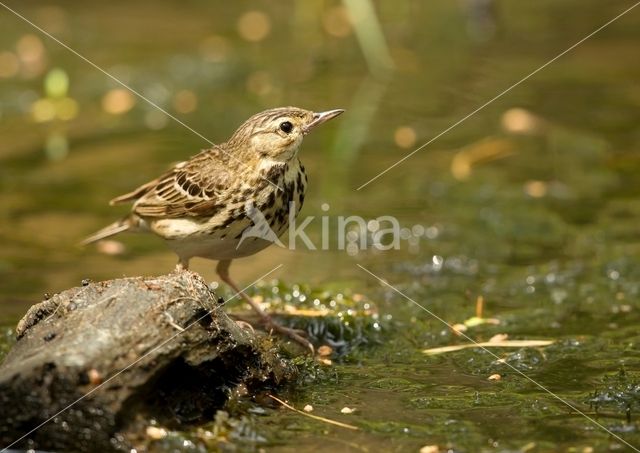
column 276, row 134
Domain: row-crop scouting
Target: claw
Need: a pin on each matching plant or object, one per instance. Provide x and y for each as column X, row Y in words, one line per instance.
column 245, row 325
column 223, row 272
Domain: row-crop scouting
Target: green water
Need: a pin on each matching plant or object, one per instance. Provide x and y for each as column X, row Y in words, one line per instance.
column 536, row 210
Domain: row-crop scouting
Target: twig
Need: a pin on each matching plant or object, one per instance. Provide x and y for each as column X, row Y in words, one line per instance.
column 316, row 417
column 479, row 306
column 489, row 344
column 172, row 323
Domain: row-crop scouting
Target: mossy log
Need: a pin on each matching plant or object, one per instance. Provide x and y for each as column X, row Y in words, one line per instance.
column 94, row 363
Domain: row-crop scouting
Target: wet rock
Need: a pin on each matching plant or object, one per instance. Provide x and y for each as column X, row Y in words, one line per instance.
column 121, row 352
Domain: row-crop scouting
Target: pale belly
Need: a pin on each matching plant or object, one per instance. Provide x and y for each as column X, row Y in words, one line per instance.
column 188, row 241
column 217, row 249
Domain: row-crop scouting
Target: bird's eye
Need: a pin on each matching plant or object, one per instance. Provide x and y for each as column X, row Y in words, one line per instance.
column 286, row 127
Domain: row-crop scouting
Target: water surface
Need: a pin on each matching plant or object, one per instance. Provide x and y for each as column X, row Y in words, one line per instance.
column 532, row 203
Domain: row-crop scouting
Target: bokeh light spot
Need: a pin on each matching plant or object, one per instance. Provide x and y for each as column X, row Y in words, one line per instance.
column 31, row 54
column 336, row 22
column 155, row 119
column 520, row 121
column 118, row 101
column 405, row 137
column 43, row 110
column 185, row 101
column 254, row 26
column 259, row 83
column 56, row 147
column 9, row 65
column 536, row 189
column 67, row 109
column 214, row 49
column 56, row 83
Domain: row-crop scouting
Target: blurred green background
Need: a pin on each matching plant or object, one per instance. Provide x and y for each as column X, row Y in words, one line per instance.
column 531, row 203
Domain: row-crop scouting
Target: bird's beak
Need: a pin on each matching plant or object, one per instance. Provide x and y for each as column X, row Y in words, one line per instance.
column 321, row 117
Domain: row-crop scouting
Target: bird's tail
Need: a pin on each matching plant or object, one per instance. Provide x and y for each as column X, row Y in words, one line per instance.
column 110, row 230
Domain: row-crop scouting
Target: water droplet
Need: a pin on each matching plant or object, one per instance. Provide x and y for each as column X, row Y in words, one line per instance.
column 417, row 230
column 437, row 262
column 432, row 232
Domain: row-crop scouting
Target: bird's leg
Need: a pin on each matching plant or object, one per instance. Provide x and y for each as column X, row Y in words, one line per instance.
column 223, row 271
column 182, row 265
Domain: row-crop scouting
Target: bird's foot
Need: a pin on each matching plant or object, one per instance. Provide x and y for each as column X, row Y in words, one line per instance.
column 270, row 325
column 294, row 334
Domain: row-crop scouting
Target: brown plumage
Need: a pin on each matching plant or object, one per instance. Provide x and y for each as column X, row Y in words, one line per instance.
column 201, row 206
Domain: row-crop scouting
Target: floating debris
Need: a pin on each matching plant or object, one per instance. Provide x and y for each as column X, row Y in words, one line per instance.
column 490, row 344
column 430, row 449
column 315, row 417
column 459, row 328
column 486, row 150
column 155, row 433
column 498, row 338
column 94, row 376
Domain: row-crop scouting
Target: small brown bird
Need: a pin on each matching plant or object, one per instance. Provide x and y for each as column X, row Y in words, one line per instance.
column 203, row 207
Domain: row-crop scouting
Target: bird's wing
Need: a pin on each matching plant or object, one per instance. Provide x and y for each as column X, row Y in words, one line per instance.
column 137, row 193
column 193, row 188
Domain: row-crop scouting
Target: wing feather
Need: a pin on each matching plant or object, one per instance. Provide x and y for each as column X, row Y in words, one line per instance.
column 195, row 188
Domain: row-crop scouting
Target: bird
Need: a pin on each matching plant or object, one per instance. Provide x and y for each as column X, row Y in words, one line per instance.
column 228, row 201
